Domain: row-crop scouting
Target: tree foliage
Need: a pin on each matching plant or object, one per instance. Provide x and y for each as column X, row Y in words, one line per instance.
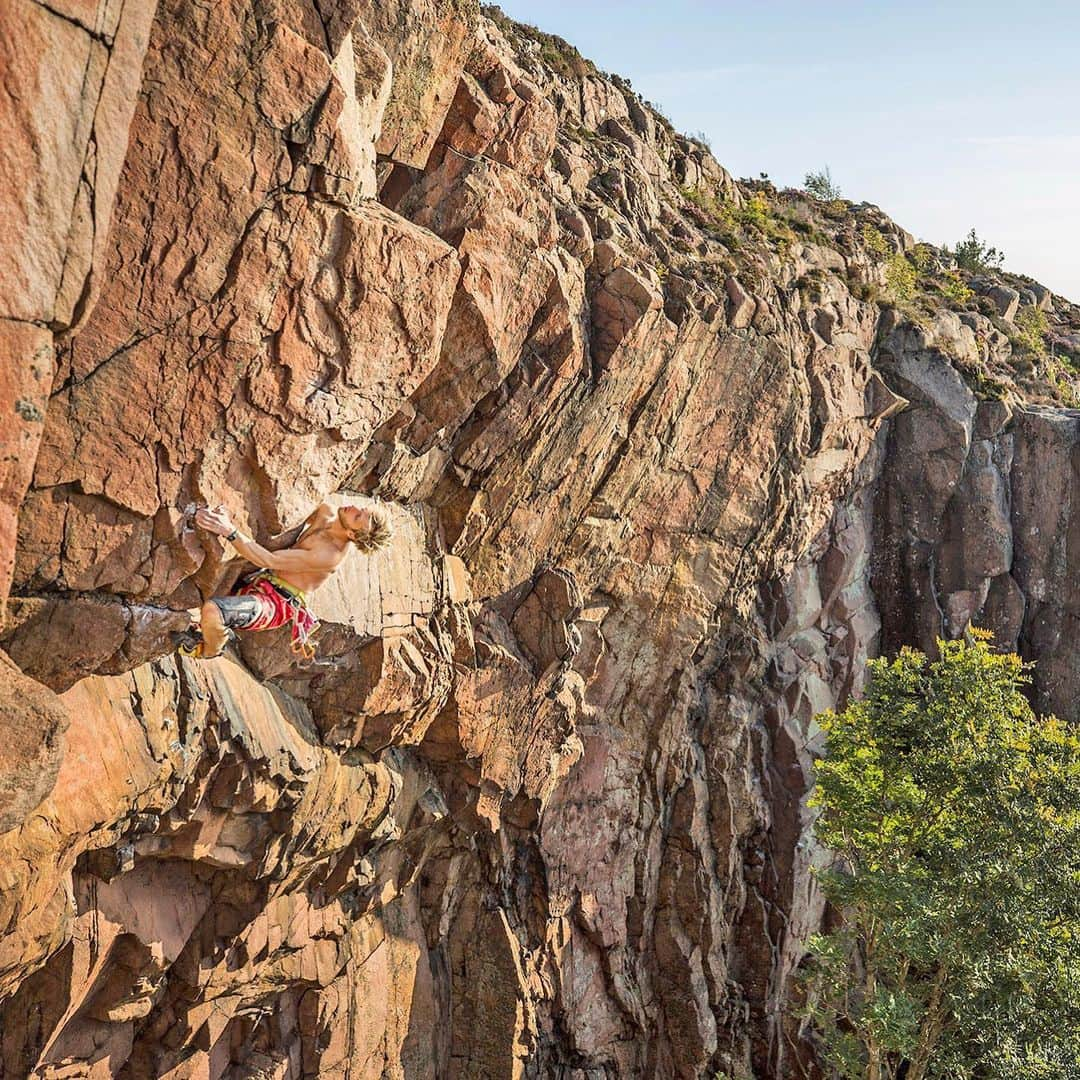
column 955, row 813
column 972, row 254
column 822, row 186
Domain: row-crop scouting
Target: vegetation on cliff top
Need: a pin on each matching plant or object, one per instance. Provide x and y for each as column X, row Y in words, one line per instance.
column 971, row 253
column 955, row 812
column 708, row 226
column 555, row 52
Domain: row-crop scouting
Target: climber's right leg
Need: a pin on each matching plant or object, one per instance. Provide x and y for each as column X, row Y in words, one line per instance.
column 214, row 633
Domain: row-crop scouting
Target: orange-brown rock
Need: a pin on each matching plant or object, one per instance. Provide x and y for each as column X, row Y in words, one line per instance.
column 71, row 78
column 662, row 474
column 33, row 722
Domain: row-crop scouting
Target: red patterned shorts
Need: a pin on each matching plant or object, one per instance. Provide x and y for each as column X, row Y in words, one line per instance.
column 262, row 602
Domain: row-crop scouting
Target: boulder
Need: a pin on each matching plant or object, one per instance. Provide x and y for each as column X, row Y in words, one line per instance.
column 741, row 305
column 1004, row 299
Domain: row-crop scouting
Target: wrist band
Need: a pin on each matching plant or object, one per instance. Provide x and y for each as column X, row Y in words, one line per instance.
column 233, row 535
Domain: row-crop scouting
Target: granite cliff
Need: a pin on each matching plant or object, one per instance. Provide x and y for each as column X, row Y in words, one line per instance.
column 668, row 454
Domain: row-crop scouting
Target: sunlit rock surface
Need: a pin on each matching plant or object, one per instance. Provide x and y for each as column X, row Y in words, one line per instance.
column 663, row 473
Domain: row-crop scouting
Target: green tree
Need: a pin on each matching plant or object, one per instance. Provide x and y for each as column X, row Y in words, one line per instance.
column 955, row 814
column 822, row 186
column 972, row 254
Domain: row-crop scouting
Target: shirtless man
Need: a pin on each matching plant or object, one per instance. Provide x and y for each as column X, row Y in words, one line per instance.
column 289, row 566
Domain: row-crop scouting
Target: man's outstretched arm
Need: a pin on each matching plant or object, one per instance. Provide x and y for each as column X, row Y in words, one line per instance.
column 289, row 537
column 285, row 539
column 217, row 521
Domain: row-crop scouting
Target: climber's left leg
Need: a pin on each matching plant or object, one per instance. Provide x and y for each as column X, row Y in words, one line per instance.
column 218, row 618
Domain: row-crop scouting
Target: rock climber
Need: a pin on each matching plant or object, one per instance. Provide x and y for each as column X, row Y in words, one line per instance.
column 287, row 569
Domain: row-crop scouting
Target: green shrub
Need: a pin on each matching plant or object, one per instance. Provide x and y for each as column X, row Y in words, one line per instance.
column 1031, row 329
column 875, row 242
column 755, row 211
column 705, row 201
column 900, row 278
column 955, row 289
column 922, row 256
column 811, row 284
column 729, row 221
column 716, row 214
column 955, row 813
column 972, row 254
column 1060, row 375
column 1069, row 357
column 987, row 387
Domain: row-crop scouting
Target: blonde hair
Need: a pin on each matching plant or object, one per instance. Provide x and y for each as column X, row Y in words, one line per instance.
column 377, row 535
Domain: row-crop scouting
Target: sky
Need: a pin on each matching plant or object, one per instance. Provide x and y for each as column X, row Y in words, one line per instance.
column 949, row 115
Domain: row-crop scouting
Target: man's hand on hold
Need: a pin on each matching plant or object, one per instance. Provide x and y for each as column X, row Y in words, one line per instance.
column 215, row 520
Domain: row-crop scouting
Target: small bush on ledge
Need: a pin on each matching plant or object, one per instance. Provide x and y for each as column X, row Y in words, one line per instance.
column 1031, row 329
column 955, row 290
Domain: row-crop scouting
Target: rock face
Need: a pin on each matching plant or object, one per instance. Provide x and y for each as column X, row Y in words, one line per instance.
column 975, row 516
column 71, row 81
column 663, row 474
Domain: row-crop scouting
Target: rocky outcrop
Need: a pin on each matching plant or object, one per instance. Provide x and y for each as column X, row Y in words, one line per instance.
column 664, row 469
column 128, row 877
column 974, row 515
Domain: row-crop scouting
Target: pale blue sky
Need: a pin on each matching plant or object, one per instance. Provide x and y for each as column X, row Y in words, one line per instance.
column 948, row 115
